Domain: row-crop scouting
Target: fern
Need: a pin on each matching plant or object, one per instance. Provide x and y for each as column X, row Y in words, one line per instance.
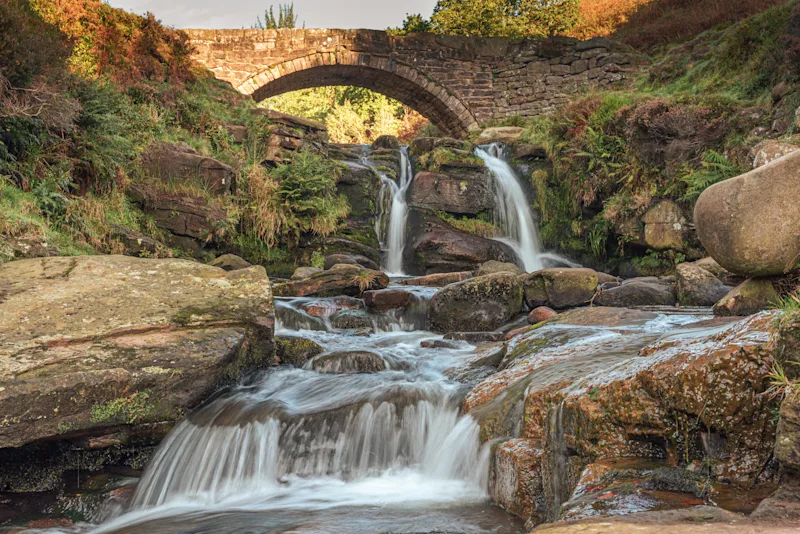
column 714, row 168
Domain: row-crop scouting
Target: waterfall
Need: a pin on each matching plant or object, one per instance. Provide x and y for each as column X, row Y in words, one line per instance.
column 233, row 448
column 395, row 229
column 512, row 212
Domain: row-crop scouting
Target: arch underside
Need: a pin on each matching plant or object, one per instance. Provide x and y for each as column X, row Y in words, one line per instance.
column 432, row 101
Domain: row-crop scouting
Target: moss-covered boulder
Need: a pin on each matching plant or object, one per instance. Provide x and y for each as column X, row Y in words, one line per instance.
column 748, row 298
column 295, row 350
column 95, row 346
column 749, row 224
column 478, row 305
column 560, row 288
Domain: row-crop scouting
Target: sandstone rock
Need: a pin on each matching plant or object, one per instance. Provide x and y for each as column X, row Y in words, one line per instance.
column 502, row 134
column 388, row 299
column 528, row 151
column 230, row 262
column 326, row 307
column 541, row 314
column 437, row 248
column 437, row 280
column 134, row 243
column 301, row 273
column 389, row 142
column 464, row 193
column 560, row 288
column 637, row 294
column 665, row 226
column 493, row 267
column 477, row 305
column 749, row 224
column 698, row 287
column 768, row 151
column 349, row 362
column 347, row 280
column 77, row 358
column 294, row 350
column 350, row 259
column 168, row 162
column 748, row 298
column 239, row 133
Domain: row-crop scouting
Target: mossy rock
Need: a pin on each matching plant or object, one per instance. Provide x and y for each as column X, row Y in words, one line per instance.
column 480, row 304
column 294, row 350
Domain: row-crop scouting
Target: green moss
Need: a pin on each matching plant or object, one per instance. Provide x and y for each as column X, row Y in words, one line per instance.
column 128, row 410
column 478, row 226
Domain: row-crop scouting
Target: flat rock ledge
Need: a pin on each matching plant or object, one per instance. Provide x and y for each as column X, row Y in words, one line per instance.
column 98, row 351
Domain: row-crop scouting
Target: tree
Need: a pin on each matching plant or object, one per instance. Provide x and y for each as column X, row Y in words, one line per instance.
column 286, row 18
column 413, row 24
column 510, row 18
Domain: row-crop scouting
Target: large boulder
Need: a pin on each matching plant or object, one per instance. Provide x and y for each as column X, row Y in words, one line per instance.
column 105, row 345
column 749, row 224
column 478, row 305
column 169, row 162
column 748, row 298
column 349, row 280
column 465, row 193
column 438, row 248
column 698, row 287
column 637, row 294
column 388, row 299
column 560, row 288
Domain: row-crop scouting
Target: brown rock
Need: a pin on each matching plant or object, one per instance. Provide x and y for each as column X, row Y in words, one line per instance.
column 541, row 314
column 698, row 287
column 749, row 224
column 348, row 280
column 82, row 353
column 239, row 133
column 637, row 294
column 168, row 162
column 665, row 226
column 560, row 288
column 388, row 299
column 465, row 193
column 493, row 267
column 768, row 151
column 230, row 262
column 437, row 280
column 301, row 273
column 349, row 362
column 749, row 298
column 477, row 305
column 503, row 134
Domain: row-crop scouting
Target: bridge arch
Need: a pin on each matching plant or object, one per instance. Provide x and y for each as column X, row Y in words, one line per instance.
column 380, row 74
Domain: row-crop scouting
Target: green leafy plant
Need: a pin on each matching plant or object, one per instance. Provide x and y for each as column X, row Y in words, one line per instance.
column 714, row 168
column 781, row 386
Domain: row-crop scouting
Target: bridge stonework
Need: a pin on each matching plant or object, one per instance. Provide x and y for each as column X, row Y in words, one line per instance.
column 454, row 81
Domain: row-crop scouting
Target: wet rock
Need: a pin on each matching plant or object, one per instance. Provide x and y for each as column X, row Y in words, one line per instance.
column 86, row 360
column 230, row 262
column 386, row 142
column 516, row 482
column 749, row 224
column 785, row 503
column 423, row 145
column 476, row 337
column 502, row 134
column 349, row 362
column 560, row 288
column 326, row 307
column 749, row 298
column 465, row 193
column 359, row 184
column 351, row 320
column 541, row 314
column 179, row 162
column 435, row 247
column 388, row 299
column 437, row 280
column 698, row 287
column 770, row 150
column 439, row 344
column 694, row 520
column 338, row 245
column 294, row 350
column 637, row 294
column 350, row 259
column 665, row 226
column 517, row 332
column 493, row 267
column 348, row 280
column 478, row 305
column 301, row 273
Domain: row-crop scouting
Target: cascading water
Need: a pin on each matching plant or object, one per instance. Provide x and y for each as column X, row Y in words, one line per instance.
column 395, row 228
column 300, row 449
column 512, row 211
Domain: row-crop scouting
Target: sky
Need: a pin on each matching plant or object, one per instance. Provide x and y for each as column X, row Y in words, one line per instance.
column 228, row 14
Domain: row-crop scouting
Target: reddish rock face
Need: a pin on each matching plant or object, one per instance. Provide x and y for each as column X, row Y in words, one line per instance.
column 348, row 280
column 328, row 307
column 466, row 193
column 541, row 314
column 166, row 161
column 388, row 299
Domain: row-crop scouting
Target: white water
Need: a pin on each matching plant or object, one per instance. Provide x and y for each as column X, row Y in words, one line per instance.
column 395, row 240
column 512, row 211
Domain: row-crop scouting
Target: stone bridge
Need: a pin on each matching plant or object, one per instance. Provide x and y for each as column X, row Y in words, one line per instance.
column 456, row 82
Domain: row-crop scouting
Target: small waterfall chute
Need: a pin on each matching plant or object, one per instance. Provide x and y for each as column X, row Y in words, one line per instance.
column 512, row 212
column 391, row 222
